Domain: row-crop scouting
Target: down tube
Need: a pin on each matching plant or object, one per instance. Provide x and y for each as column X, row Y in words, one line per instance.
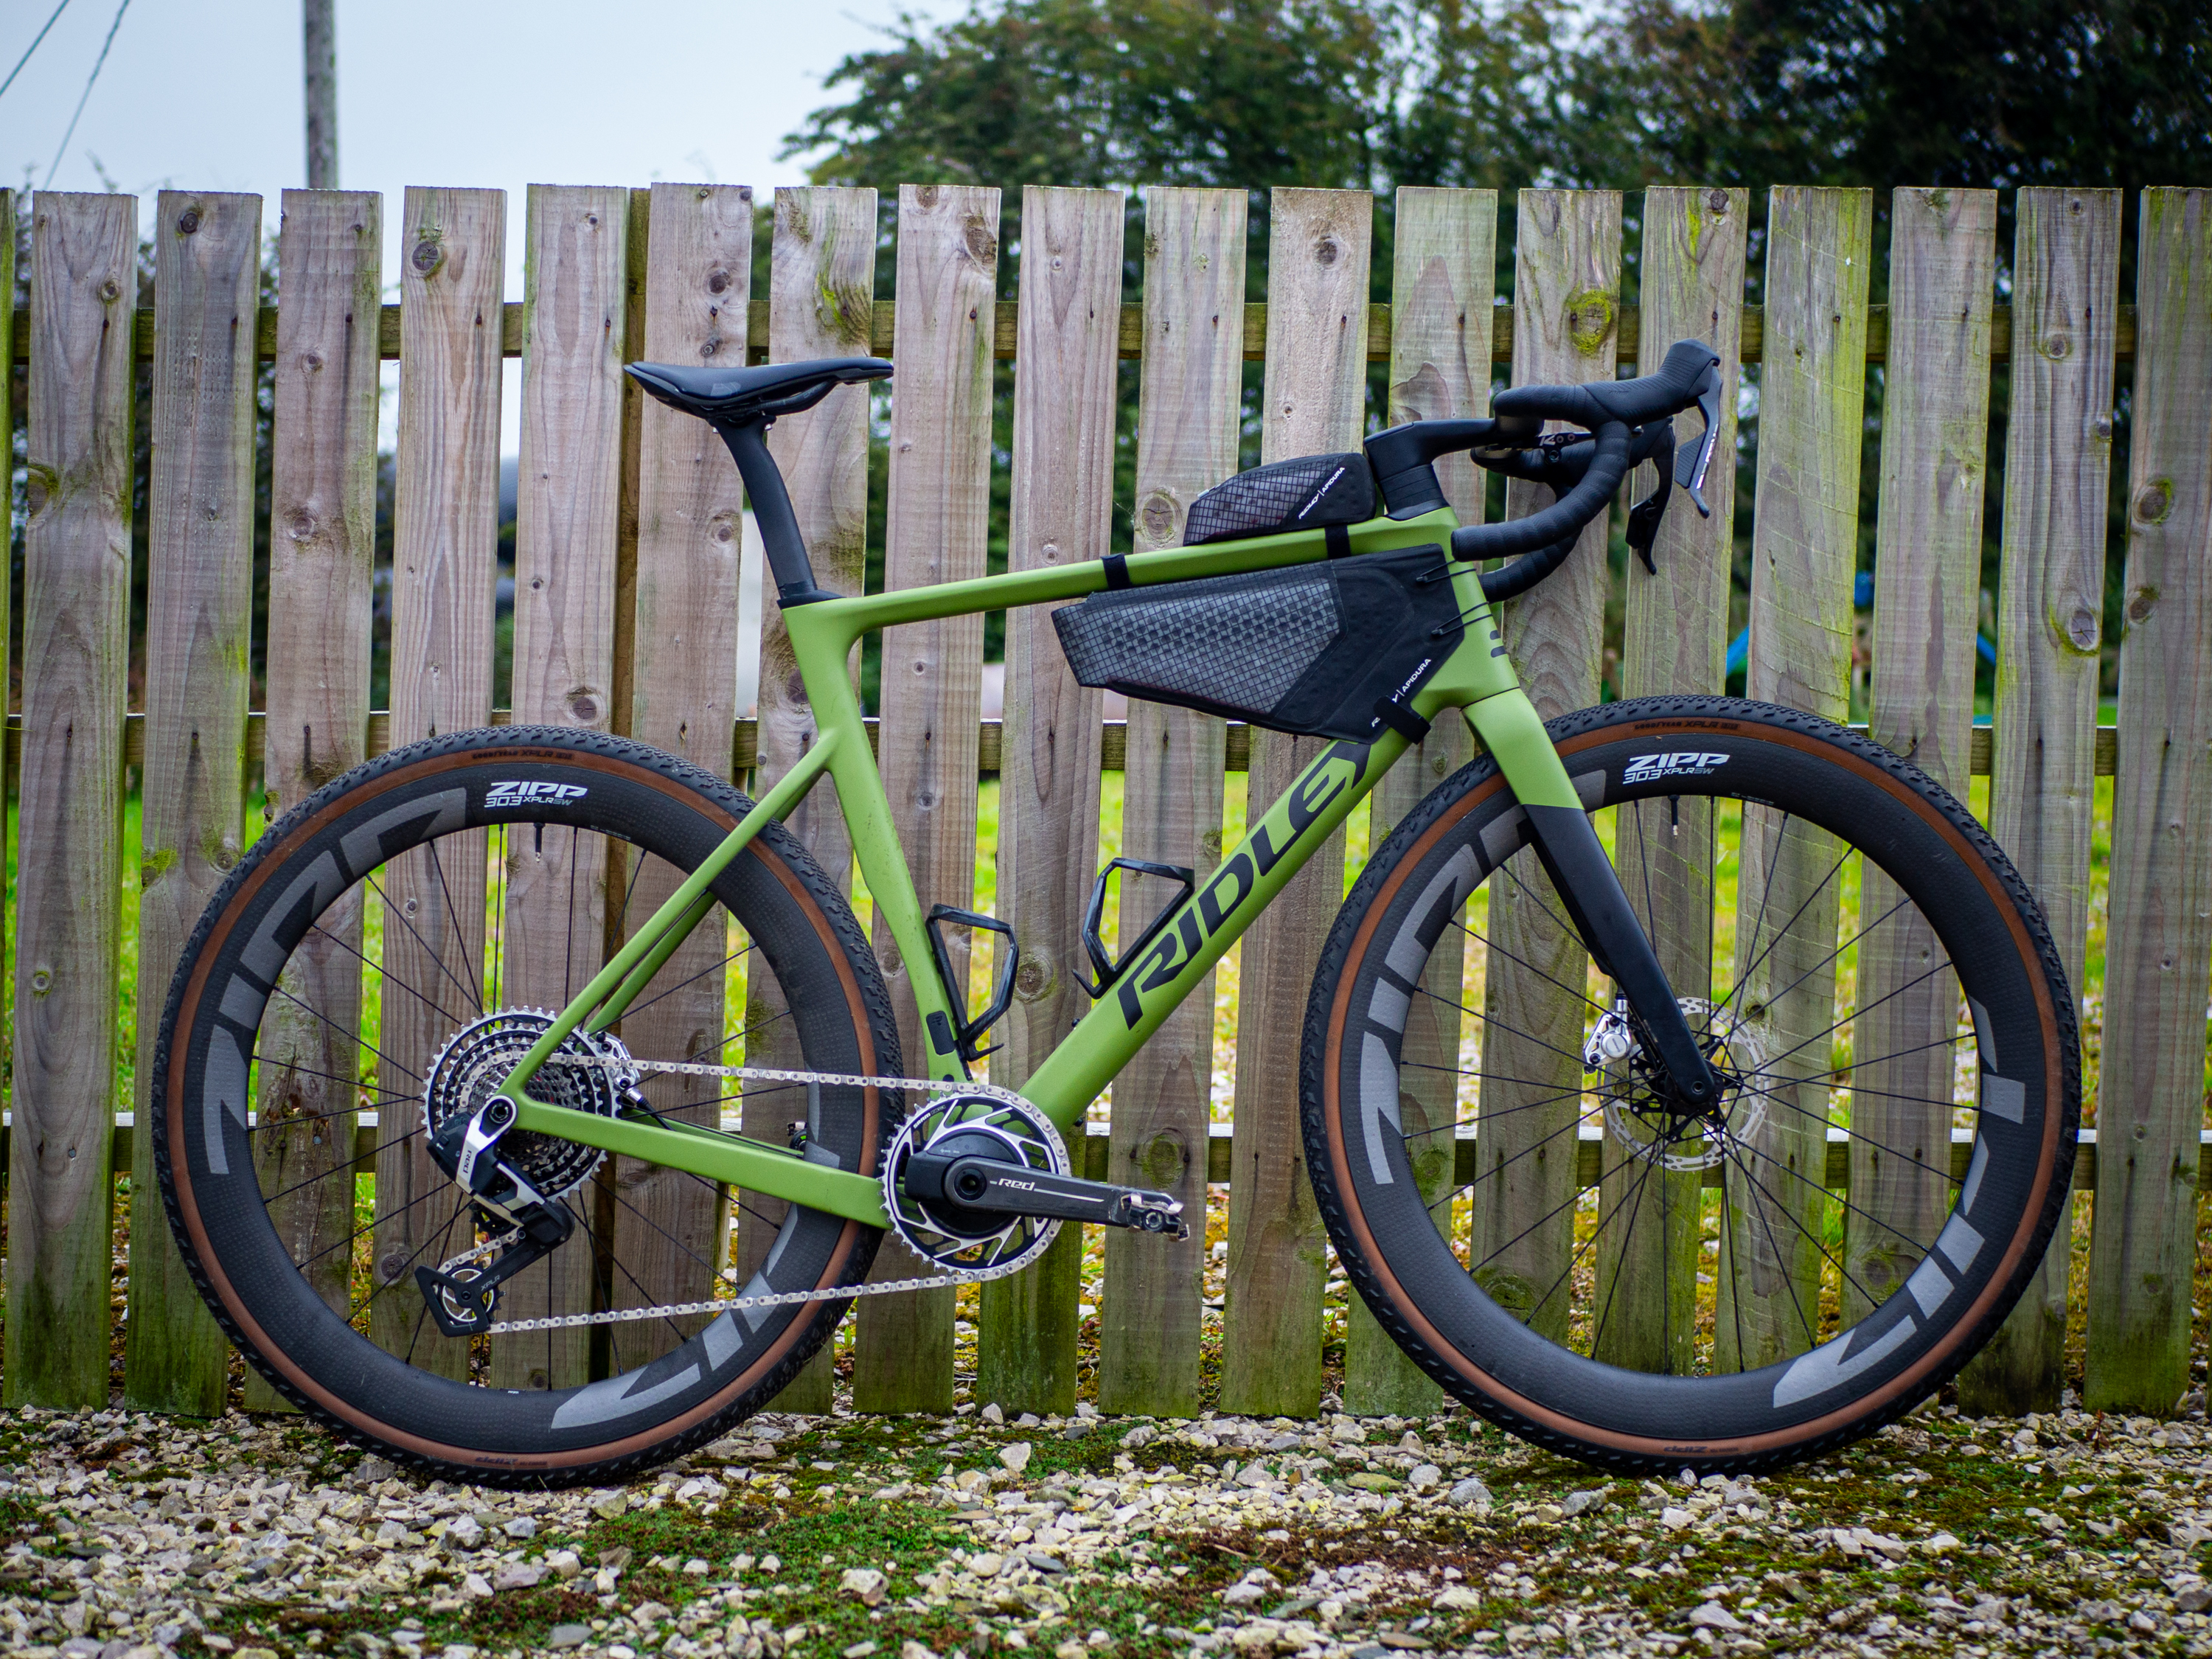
column 1207, row 924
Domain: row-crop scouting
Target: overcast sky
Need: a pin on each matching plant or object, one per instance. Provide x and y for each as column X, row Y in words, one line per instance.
column 205, row 94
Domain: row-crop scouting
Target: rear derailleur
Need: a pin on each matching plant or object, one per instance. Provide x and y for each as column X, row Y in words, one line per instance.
column 525, row 1224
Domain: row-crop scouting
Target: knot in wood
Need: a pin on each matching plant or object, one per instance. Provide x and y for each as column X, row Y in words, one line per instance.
column 1716, row 201
column 1326, row 250
column 188, row 221
column 428, row 255
column 2154, row 501
column 717, row 281
column 2057, row 345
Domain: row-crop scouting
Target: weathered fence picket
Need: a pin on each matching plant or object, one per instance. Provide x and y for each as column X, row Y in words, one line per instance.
column 1061, row 514
column 1928, row 573
column 629, row 551
column 682, row 687
column 821, row 279
column 76, row 619
column 1567, row 283
column 1804, row 550
column 446, row 537
column 1319, row 244
column 2158, row 947
column 322, row 551
column 2043, row 786
column 1188, row 405
column 937, row 531
column 199, row 592
column 1444, row 280
column 1675, row 638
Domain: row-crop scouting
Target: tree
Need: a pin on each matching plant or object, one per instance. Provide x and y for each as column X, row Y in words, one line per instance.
column 1885, row 93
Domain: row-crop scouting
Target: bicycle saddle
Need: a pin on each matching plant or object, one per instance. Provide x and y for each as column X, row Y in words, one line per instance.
column 735, row 395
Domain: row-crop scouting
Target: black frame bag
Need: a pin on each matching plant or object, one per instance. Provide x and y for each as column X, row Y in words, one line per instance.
column 1310, row 492
column 1334, row 649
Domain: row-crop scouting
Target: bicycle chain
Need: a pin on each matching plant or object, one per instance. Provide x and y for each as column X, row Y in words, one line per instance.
column 771, row 1299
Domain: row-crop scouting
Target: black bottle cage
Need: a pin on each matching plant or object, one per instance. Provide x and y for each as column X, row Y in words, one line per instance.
column 1002, row 996
column 1108, row 969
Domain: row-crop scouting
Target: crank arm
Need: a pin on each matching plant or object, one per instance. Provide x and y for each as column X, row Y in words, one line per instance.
column 982, row 1183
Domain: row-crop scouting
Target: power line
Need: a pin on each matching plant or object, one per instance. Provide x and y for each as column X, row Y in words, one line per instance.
column 64, row 147
column 33, row 47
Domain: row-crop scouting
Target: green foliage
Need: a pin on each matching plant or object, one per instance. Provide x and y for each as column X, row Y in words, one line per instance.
column 1509, row 93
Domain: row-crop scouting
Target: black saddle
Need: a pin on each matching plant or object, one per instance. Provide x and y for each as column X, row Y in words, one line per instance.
column 739, row 396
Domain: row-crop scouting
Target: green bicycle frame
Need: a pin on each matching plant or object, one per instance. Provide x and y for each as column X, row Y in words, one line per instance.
column 1477, row 678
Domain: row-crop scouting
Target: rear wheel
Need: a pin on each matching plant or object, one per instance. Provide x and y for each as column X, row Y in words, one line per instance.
column 374, row 965
column 1807, row 1260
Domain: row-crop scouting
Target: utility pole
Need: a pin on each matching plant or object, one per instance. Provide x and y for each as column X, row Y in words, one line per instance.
column 319, row 35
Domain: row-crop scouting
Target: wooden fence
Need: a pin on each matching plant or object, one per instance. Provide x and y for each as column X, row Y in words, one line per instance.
column 626, row 550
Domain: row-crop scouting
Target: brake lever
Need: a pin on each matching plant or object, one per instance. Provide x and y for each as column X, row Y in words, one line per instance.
column 1690, row 464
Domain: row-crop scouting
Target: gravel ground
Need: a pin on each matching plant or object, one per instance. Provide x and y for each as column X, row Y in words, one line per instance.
column 134, row 1537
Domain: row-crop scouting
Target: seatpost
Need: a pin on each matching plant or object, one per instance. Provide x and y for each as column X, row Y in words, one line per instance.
column 772, row 513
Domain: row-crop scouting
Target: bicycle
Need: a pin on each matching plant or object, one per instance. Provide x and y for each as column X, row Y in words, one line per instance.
column 1796, row 947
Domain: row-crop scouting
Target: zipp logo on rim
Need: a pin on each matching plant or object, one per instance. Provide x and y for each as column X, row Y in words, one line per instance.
column 1673, row 764
column 515, row 791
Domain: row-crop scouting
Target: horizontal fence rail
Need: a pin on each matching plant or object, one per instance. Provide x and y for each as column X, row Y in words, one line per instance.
column 1129, row 339
column 626, row 561
column 1093, row 1156
column 744, row 742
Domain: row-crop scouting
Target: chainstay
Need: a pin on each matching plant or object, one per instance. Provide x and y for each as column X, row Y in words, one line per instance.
column 768, row 1299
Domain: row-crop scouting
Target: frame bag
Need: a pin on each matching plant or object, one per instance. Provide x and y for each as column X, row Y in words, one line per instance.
column 1335, row 650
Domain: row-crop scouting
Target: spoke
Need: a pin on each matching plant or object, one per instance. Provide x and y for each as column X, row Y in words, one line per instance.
column 1812, row 1335
column 444, row 1233
column 268, row 1122
column 1872, row 1299
column 495, row 969
column 646, row 1297
column 1586, row 1246
column 353, row 1163
column 274, row 1062
column 436, row 1008
column 1758, row 921
column 1572, row 1125
column 1782, row 932
column 461, row 934
column 568, row 946
column 1487, row 1077
column 1501, row 1111
column 357, row 1309
column 1779, row 1099
column 1489, row 944
column 350, row 1036
column 664, row 1231
column 398, row 914
column 1491, row 1025
column 1537, row 899
column 370, row 1225
column 738, row 955
column 1838, row 951
column 1867, row 1008
column 1569, row 1201
column 1921, row 1245
column 1735, row 1297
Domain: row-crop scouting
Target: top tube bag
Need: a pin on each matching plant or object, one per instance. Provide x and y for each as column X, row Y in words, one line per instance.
column 1335, row 649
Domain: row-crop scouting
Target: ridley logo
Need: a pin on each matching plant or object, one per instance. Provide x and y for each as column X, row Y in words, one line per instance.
column 1675, row 763
column 516, row 792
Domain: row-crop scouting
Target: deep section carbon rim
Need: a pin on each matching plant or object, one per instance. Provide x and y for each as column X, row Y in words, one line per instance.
column 1556, row 1244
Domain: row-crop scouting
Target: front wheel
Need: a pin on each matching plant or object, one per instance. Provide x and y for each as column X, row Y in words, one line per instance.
column 375, row 965
column 1742, row 1287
